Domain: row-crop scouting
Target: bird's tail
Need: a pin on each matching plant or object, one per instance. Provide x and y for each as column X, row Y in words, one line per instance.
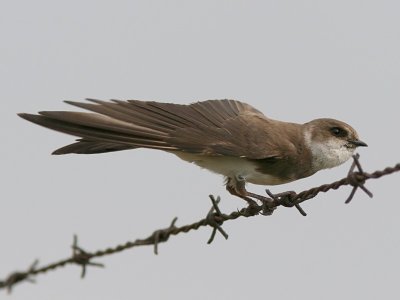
column 110, row 129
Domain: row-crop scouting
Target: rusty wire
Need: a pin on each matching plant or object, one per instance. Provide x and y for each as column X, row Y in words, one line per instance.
column 215, row 218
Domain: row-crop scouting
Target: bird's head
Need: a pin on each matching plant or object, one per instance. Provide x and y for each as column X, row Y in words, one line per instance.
column 331, row 142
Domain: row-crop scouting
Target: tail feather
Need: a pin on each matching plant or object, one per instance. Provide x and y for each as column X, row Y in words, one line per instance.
column 83, row 146
column 98, row 121
column 99, row 128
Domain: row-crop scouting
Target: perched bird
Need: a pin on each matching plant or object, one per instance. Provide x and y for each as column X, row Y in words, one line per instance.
column 227, row 137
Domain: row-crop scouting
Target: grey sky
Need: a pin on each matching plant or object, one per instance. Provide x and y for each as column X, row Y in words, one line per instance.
column 293, row 60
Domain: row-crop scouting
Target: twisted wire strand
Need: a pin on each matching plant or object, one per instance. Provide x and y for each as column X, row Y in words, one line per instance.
column 214, row 219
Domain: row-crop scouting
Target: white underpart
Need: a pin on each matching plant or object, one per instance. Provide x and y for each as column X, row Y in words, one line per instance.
column 328, row 154
column 232, row 167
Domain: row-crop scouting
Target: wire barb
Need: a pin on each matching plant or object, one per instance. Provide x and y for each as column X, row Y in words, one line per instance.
column 357, row 179
column 215, row 218
column 287, row 199
column 162, row 235
column 212, row 217
column 17, row 277
column 82, row 258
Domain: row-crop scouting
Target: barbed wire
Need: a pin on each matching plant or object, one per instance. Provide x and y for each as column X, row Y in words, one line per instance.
column 214, row 218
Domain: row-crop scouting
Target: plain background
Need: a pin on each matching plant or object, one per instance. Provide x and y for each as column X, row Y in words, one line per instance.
column 293, row 60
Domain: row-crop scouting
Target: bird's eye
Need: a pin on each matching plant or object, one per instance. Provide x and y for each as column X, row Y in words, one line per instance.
column 339, row 132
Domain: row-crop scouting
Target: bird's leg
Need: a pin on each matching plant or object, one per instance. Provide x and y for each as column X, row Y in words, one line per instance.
column 234, row 192
column 241, row 187
column 237, row 187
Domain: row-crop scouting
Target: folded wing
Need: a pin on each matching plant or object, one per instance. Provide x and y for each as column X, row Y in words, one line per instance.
column 213, row 127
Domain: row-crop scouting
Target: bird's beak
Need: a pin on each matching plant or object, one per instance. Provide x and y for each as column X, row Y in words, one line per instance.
column 358, row 143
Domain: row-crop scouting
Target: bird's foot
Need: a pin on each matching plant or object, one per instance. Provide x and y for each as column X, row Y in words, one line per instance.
column 267, row 206
column 237, row 187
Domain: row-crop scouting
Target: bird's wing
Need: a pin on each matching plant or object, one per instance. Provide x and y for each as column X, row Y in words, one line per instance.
column 246, row 135
column 212, row 127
